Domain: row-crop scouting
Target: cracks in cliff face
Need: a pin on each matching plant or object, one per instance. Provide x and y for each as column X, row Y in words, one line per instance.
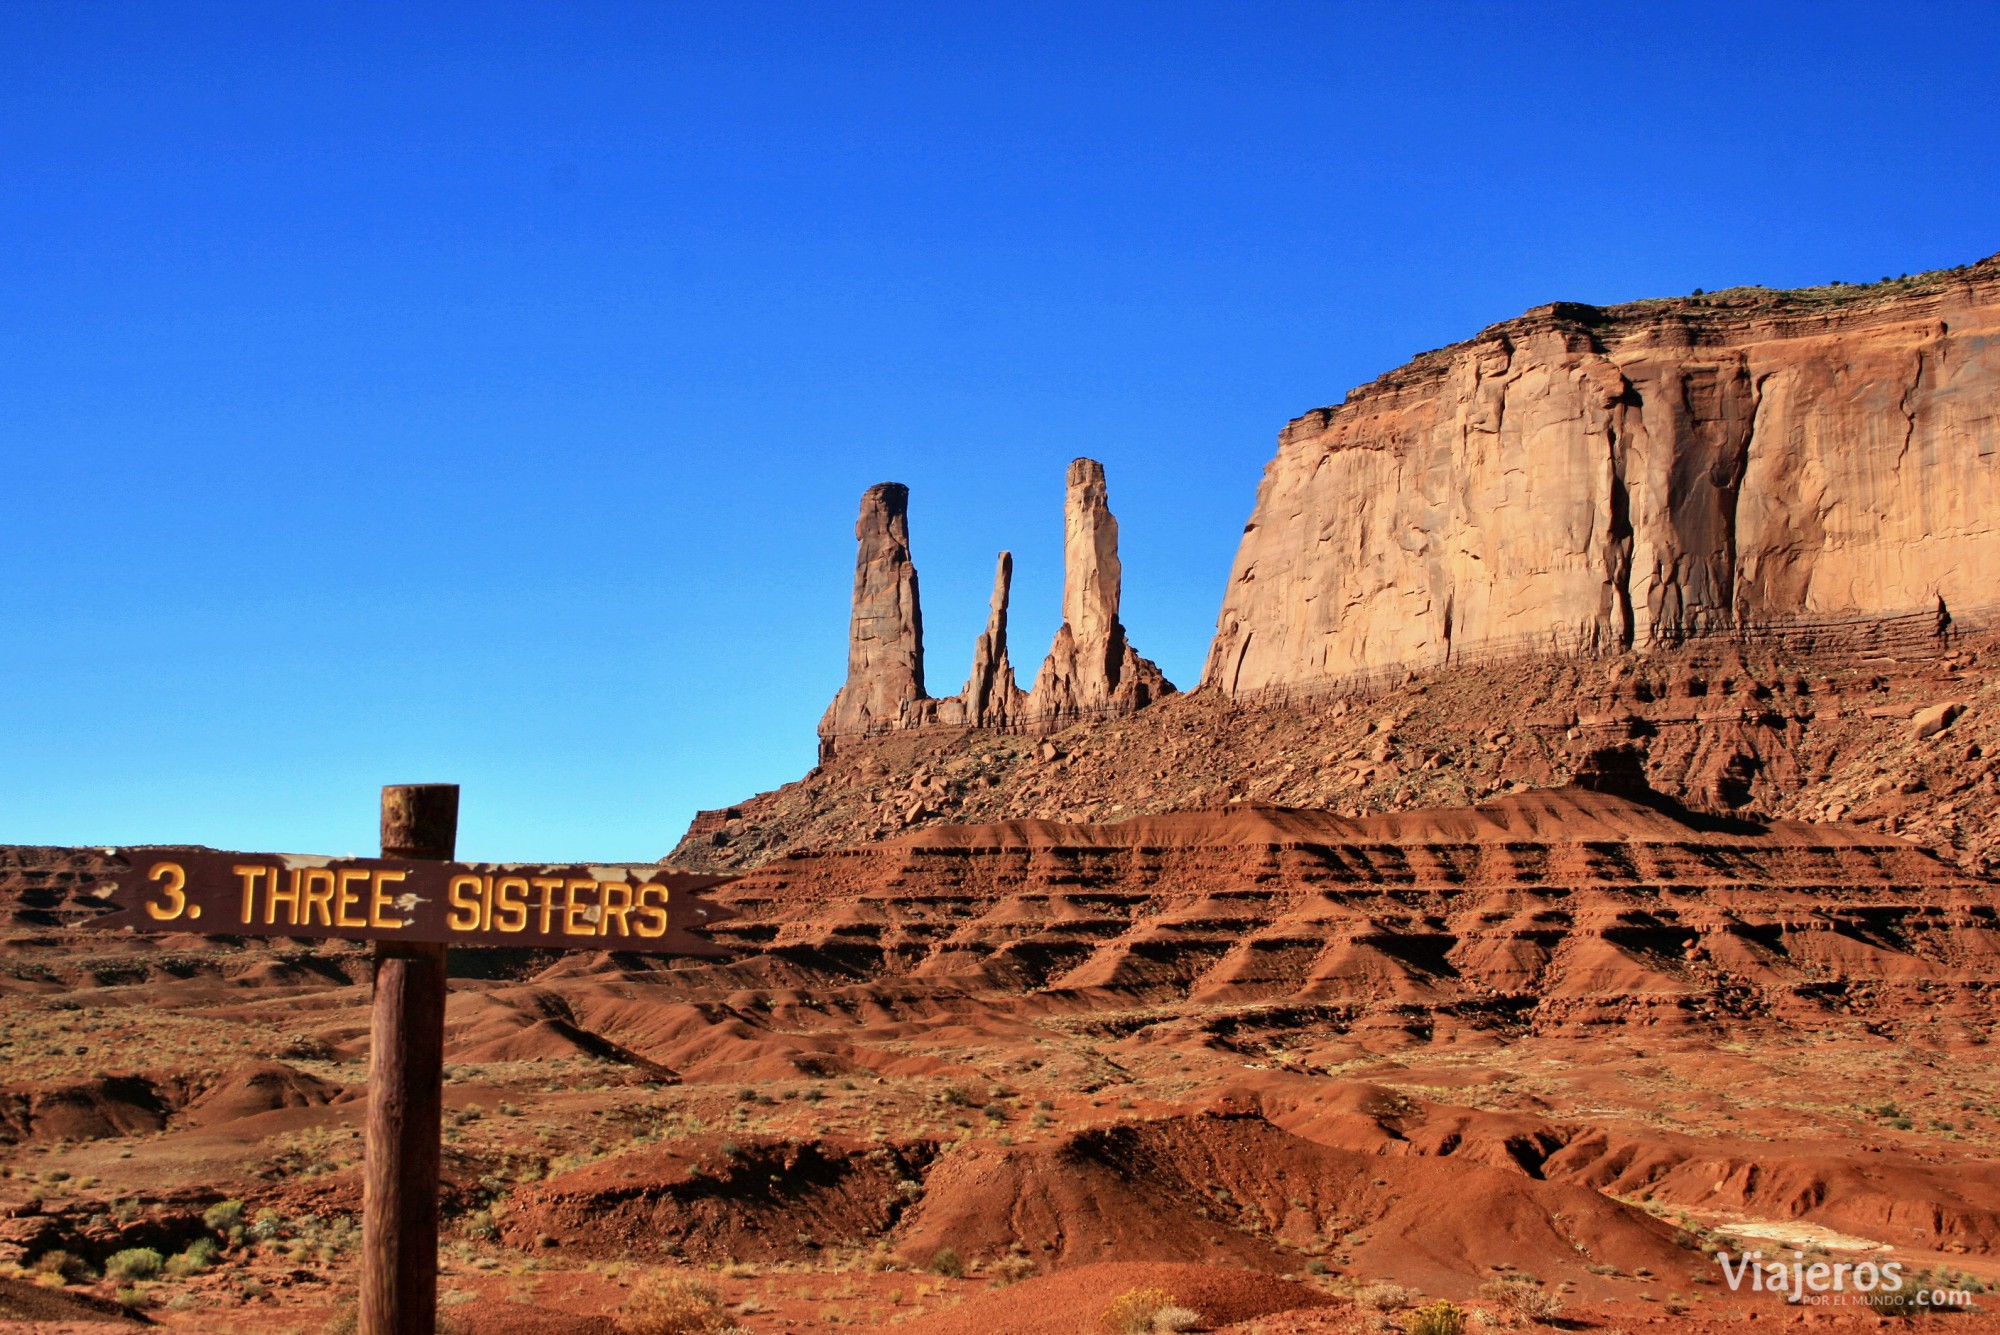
column 1619, row 535
column 1731, row 486
column 1236, row 673
column 1739, row 595
column 1909, row 413
column 1713, row 418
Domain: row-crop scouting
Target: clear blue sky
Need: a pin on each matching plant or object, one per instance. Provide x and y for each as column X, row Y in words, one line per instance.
column 482, row 392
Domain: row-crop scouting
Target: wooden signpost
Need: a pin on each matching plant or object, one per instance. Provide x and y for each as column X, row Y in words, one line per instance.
column 413, row 902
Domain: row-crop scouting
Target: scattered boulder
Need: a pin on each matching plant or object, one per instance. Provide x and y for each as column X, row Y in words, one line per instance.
column 1930, row 722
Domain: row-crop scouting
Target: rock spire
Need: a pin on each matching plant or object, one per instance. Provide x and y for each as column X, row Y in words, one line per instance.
column 1091, row 670
column 990, row 698
column 885, row 636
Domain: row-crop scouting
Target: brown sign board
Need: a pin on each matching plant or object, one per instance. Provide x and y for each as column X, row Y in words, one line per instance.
column 393, row 899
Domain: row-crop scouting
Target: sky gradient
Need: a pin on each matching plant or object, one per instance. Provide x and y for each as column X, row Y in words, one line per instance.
column 482, row 393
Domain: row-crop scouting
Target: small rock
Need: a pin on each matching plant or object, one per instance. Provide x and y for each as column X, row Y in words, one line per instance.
column 1930, row 722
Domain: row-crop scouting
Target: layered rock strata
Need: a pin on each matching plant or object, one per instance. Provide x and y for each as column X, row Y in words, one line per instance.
column 1554, row 908
column 1091, row 670
column 1584, row 479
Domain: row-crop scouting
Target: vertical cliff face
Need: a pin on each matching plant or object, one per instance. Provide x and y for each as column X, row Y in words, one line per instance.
column 1584, row 478
column 1092, row 669
column 885, row 636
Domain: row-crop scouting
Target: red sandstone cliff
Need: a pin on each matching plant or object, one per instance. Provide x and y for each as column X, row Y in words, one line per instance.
column 1603, row 479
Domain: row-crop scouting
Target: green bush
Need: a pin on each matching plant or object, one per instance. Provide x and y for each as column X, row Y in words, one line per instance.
column 223, row 1217
column 947, row 1262
column 134, row 1263
column 199, row 1256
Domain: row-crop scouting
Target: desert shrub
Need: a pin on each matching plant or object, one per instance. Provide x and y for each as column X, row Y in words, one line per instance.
column 266, row 1226
column 1139, row 1312
column 673, row 1305
column 199, row 1256
column 1384, row 1297
column 1522, row 1296
column 223, row 1217
column 134, row 1296
column 1011, row 1270
column 134, row 1263
column 947, row 1262
column 1438, row 1318
column 63, row 1265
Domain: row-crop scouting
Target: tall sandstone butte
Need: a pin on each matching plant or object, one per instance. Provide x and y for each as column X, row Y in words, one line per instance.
column 1582, row 478
column 1092, row 669
column 885, row 636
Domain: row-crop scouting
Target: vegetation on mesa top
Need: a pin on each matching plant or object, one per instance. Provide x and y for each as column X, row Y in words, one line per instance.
column 1833, row 295
column 1835, row 292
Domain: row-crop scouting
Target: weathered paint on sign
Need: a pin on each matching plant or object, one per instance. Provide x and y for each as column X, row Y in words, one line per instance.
column 391, row 899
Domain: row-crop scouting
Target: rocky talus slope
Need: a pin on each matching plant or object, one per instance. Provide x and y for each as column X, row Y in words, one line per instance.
column 1898, row 735
column 1596, row 479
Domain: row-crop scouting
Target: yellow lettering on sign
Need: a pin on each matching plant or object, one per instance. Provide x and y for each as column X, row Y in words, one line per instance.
column 652, row 912
column 510, row 902
column 249, row 876
column 579, row 915
column 378, row 901
column 548, row 885
column 346, row 897
column 173, row 885
column 616, row 907
column 464, row 904
column 486, row 903
column 316, row 901
column 288, row 896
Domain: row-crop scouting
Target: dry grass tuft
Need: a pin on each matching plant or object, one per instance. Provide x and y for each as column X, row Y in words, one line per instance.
column 1522, row 1296
column 673, row 1305
column 1148, row 1312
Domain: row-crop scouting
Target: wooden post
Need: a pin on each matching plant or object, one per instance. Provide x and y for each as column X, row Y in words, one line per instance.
column 399, row 1211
